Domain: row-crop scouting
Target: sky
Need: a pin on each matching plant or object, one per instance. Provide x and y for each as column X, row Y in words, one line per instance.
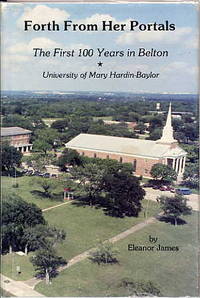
column 178, row 73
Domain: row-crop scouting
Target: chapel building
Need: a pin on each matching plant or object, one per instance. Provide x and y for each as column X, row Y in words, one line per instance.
column 142, row 154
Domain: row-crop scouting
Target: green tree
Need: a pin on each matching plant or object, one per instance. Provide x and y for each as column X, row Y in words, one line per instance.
column 140, row 288
column 17, row 120
column 155, row 134
column 41, row 237
column 35, row 238
column 56, row 235
column 42, row 146
column 10, row 157
column 11, row 234
column 39, row 161
column 155, row 122
column 69, row 157
column 89, row 178
column 16, row 216
column 174, row 207
column 60, row 125
column 191, row 175
column 104, row 254
column 48, row 185
column 49, row 135
column 140, row 127
column 46, row 263
column 163, row 172
column 123, row 193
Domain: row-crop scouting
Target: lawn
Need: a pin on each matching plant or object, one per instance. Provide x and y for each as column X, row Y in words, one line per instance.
column 84, row 227
column 102, row 118
column 26, row 191
column 174, row 273
column 49, row 121
column 9, row 263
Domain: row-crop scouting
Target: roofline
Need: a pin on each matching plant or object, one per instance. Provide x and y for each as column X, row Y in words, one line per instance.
column 117, row 152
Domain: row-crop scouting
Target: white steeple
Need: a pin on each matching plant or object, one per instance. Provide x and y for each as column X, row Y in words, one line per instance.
column 167, row 134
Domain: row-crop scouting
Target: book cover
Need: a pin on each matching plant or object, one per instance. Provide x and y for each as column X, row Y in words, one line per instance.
column 99, row 149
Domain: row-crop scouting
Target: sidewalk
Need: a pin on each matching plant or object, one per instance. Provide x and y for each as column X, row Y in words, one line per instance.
column 18, row 288
column 29, row 284
column 114, row 239
column 49, row 208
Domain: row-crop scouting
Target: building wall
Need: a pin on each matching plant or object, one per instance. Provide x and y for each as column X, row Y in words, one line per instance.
column 143, row 165
column 20, row 139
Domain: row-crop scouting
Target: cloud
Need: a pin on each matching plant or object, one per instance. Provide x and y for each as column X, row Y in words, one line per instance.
column 97, row 19
column 180, row 67
column 192, row 43
column 27, row 48
column 158, row 36
column 44, row 43
column 13, row 63
column 42, row 14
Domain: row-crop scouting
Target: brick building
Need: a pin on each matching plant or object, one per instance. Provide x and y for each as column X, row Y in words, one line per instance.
column 17, row 137
column 142, row 154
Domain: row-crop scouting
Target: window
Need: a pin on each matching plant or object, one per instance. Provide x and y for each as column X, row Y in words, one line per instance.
column 95, row 155
column 107, row 157
column 120, row 160
column 83, row 153
column 134, row 165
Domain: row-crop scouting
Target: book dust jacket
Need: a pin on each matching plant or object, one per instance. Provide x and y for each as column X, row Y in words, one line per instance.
column 99, row 144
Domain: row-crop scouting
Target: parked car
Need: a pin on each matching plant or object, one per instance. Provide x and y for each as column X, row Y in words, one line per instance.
column 156, row 187
column 29, row 173
column 46, row 175
column 172, row 189
column 37, row 173
column 148, row 185
column 183, row 191
column 163, row 188
column 54, row 176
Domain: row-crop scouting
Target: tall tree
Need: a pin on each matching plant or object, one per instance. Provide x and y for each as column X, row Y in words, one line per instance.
column 41, row 145
column 163, row 172
column 69, row 157
column 10, row 157
column 35, row 238
column 17, row 215
column 89, row 179
column 48, row 185
column 46, row 263
column 124, row 194
column 174, row 207
column 191, row 175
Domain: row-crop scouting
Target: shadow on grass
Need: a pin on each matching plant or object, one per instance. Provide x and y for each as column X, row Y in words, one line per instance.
column 170, row 220
column 41, row 195
column 83, row 202
column 100, row 203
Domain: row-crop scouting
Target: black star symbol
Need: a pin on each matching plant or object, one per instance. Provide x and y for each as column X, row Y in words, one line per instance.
column 100, row 64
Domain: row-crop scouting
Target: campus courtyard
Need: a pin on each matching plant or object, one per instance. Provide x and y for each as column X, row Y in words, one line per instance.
column 85, row 226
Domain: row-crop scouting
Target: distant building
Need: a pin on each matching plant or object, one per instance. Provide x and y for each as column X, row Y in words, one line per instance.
column 17, row 137
column 142, row 154
column 129, row 124
column 158, row 106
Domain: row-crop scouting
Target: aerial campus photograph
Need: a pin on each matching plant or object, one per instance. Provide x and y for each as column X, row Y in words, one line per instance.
column 99, row 174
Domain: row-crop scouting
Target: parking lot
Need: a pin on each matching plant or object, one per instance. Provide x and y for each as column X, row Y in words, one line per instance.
column 153, row 194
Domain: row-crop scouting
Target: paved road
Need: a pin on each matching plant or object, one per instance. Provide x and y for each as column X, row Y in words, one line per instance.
column 18, row 288
column 152, row 194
